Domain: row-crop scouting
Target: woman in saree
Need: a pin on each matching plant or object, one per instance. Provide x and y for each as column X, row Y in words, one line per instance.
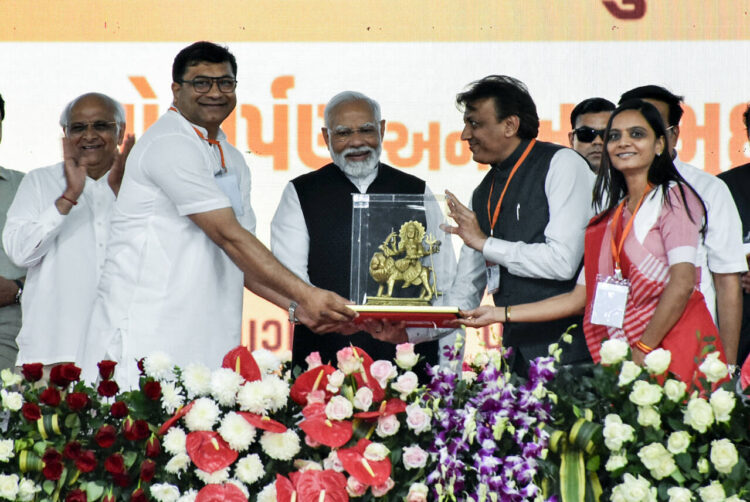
column 639, row 281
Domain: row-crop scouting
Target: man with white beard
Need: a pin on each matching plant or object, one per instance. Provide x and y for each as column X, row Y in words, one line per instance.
column 311, row 230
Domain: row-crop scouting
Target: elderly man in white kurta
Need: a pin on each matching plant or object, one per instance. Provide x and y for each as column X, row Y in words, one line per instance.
column 57, row 227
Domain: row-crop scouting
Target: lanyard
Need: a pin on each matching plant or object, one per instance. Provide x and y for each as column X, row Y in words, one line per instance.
column 617, row 248
column 493, row 216
column 209, row 140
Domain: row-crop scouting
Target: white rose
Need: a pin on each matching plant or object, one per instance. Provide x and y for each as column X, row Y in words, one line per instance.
column 628, row 373
column 8, row 486
column 657, row 361
column 333, row 462
column 713, row 368
column 164, row 492
column 674, row 389
column 406, row 384
column 417, row 493
column 406, row 358
column 616, row 433
column 722, row 402
column 616, row 461
column 678, row 442
column 614, row 350
column 702, row 466
column 657, row 459
column 414, row 457
column 335, row 381
column 645, row 394
column 633, row 489
column 723, row 455
column 27, row 490
column 679, row 494
column 712, row 493
column 418, row 419
column 648, row 416
column 699, row 415
column 363, row 398
column 387, row 426
column 376, row 452
column 11, row 400
column 10, row 378
column 383, row 371
column 339, row 408
column 6, row 450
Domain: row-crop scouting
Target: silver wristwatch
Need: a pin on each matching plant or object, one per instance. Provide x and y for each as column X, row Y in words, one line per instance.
column 292, row 309
column 20, row 290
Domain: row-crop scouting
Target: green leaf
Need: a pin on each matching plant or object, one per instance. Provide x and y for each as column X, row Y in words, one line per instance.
column 48, row 487
column 129, row 457
column 94, row 490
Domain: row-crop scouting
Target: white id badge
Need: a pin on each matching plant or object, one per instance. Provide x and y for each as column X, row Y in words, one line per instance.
column 610, row 299
column 229, row 185
column 493, row 278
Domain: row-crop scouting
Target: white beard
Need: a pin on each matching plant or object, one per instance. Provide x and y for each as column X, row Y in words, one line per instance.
column 358, row 169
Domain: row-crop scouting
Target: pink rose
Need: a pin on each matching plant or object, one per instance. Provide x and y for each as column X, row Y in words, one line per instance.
column 405, row 356
column 311, row 442
column 406, row 384
column 417, row 418
column 316, row 396
column 379, row 491
column 383, row 372
column 387, row 426
column 332, row 462
column 363, row 399
column 335, row 381
column 313, row 360
column 354, row 488
column 417, row 493
column 414, row 457
column 348, row 362
column 339, row 408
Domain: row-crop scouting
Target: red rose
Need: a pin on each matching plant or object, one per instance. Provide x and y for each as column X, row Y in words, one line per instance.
column 140, row 365
column 52, row 470
column 115, row 464
column 152, row 389
column 77, row 400
column 64, row 374
column 105, row 436
column 148, row 468
column 135, row 430
column 51, row 455
column 109, row 496
column 76, row 496
column 108, row 388
column 50, row 396
column 121, row 480
column 153, row 446
column 106, row 369
column 119, row 409
column 72, row 450
column 31, row 412
column 86, row 461
column 32, row 372
column 138, row 496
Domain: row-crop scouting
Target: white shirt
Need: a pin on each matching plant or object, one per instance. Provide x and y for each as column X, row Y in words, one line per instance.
column 290, row 243
column 568, row 187
column 722, row 249
column 64, row 256
column 166, row 286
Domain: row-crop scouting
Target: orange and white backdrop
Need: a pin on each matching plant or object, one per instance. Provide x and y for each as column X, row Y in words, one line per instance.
column 413, row 57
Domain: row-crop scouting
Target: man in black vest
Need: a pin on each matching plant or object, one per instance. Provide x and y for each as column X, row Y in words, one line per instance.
column 311, row 230
column 524, row 243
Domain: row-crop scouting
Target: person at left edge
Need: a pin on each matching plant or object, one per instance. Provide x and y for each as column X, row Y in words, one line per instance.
column 58, row 226
column 181, row 242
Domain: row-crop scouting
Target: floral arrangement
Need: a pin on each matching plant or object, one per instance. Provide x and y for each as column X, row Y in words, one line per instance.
column 661, row 439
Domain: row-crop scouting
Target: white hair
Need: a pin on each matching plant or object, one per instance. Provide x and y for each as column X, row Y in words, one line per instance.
column 116, row 106
column 348, row 97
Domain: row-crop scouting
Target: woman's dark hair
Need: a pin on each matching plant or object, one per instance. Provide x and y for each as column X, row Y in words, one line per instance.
column 610, row 183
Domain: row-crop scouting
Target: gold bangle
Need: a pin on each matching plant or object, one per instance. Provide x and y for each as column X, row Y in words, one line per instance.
column 507, row 313
column 643, row 347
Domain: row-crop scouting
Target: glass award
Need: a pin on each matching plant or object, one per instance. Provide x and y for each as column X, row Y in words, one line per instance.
column 402, row 262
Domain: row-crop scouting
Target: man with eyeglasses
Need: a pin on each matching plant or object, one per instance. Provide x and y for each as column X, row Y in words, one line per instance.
column 311, row 230
column 182, row 242
column 11, row 276
column 589, row 120
column 58, row 226
column 721, row 249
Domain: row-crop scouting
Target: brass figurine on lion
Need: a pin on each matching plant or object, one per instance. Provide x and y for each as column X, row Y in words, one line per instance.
column 408, row 269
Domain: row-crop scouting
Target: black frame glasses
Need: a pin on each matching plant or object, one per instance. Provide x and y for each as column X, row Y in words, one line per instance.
column 588, row 134
column 77, row 129
column 202, row 85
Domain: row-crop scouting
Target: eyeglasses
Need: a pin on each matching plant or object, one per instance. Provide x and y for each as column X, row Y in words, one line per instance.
column 203, row 84
column 341, row 135
column 588, row 134
column 78, row 129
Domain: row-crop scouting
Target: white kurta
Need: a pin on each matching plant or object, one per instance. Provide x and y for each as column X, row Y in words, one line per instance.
column 64, row 256
column 166, row 286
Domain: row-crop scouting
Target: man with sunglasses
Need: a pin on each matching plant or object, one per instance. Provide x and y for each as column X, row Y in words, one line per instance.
column 589, row 120
column 182, row 242
column 58, row 227
column 721, row 249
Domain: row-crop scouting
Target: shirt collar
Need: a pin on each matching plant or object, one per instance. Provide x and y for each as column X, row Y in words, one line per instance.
column 220, row 136
column 513, row 157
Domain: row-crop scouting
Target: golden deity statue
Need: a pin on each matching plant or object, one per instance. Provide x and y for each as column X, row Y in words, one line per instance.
column 409, row 246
